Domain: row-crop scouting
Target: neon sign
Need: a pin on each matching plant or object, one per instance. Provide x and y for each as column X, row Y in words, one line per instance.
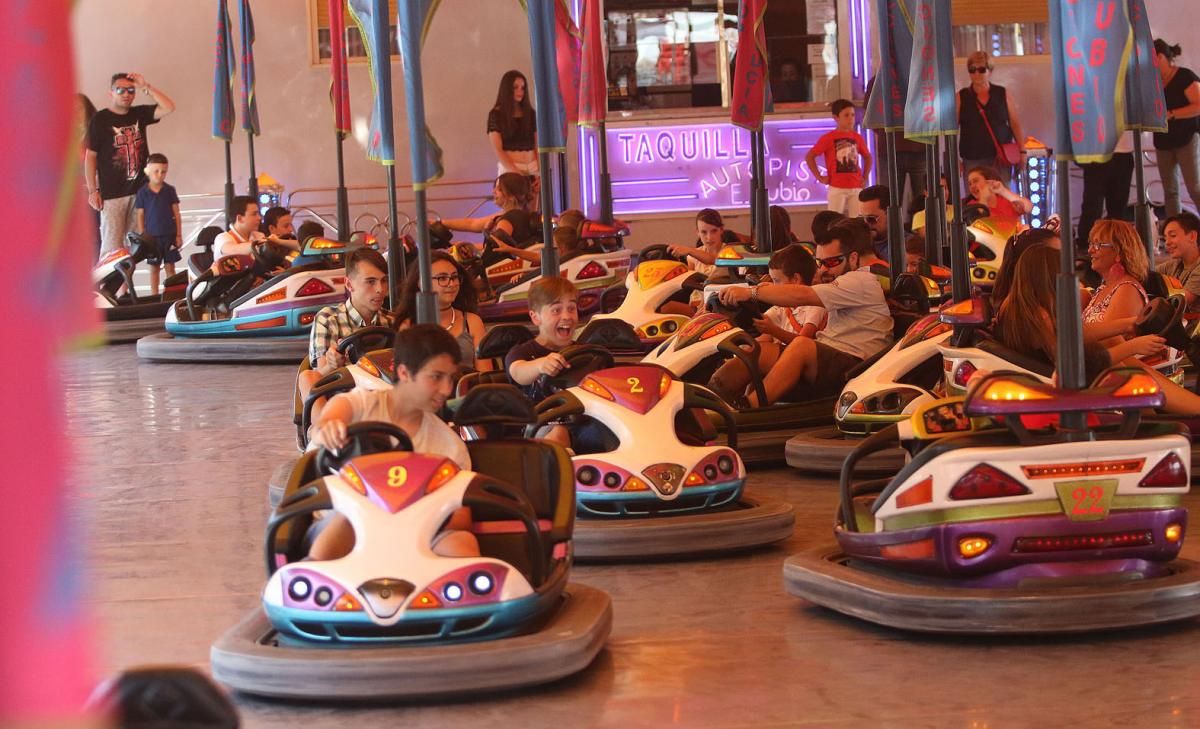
column 707, row 164
column 687, row 167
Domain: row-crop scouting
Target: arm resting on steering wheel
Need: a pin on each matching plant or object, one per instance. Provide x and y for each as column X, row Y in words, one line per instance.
column 789, row 295
column 331, row 425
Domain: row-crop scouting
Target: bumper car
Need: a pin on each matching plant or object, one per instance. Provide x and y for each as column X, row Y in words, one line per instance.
column 1003, row 522
column 695, row 353
column 393, row 619
column 680, row 496
column 130, row 317
column 883, row 390
column 254, row 308
column 986, row 237
column 592, row 274
column 656, row 280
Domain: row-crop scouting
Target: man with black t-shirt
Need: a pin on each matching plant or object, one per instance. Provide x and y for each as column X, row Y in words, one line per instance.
column 113, row 167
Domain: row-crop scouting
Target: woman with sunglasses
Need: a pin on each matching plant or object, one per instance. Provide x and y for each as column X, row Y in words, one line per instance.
column 458, row 307
column 987, row 122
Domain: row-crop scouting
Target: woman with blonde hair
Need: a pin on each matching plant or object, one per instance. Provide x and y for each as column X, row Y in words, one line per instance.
column 1117, row 254
column 989, row 131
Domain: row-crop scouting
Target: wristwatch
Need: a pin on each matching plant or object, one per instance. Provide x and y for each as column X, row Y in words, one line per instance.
column 754, row 292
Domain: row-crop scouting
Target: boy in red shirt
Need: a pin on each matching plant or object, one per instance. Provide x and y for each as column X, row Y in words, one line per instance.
column 842, row 148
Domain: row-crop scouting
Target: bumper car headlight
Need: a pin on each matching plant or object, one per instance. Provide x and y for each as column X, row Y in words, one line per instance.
column 844, row 402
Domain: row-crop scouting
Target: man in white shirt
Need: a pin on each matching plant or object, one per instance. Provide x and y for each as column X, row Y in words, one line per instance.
column 244, row 233
column 426, row 359
column 859, row 321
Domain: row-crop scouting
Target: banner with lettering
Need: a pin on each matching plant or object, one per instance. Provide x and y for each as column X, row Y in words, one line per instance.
column 371, row 16
column 339, row 82
column 1090, row 45
column 750, row 89
column 222, row 111
column 885, row 107
column 249, row 100
column 415, row 16
column 567, row 48
column 930, row 108
column 551, row 114
column 1145, row 107
column 593, row 73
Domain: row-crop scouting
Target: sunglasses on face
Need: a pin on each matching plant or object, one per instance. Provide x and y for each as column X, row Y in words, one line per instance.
column 446, row 280
column 869, row 219
column 831, row 262
column 977, row 69
column 125, row 90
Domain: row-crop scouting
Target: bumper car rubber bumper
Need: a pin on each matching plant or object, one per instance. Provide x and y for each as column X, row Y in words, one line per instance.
column 250, row 659
column 823, row 450
column 165, row 347
column 826, row 577
column 749, row 523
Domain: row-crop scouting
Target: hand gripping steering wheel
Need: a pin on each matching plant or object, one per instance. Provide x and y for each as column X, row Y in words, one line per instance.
column 362, row 439
column 582, row 360
column 657, row 252
column 365, row 340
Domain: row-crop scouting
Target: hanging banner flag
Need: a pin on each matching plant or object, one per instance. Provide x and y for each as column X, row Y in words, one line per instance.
column 750, row 89
column 414, row 19
column 551, row 115
column 339, row 81
column 567, row 42
column 47, row 659
column 249, row 102
column 1090, row 45
column 885, row 107
column 222, row 112
column 371, row 16
column 593, row 72
column 930, row 104
column 1145, row 107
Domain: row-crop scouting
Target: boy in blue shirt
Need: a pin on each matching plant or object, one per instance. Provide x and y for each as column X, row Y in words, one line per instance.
column 157, row 208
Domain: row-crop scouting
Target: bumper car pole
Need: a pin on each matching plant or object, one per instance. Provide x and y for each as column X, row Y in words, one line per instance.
column 933, row 242
column 1141, row 209
column 960, row 283
column 895, row 225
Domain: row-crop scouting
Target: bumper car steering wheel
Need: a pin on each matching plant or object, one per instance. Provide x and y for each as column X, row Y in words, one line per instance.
column 365, row 340
column 363, row 439
column 657, row 252
column 582, row 360
column 742, row 315
column 269, row 256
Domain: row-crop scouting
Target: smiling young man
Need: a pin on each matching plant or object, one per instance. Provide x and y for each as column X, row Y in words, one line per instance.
column 859, row 323
column 1182, row 234
column 117, row 151
column 426, row 360
column 366, row 284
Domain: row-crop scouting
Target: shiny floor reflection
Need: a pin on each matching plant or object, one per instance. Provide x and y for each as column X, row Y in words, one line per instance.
column 170, row 489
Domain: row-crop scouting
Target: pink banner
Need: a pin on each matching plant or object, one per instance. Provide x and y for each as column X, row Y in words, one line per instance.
column 749, row 101
column 593, row 81
column 339, row 84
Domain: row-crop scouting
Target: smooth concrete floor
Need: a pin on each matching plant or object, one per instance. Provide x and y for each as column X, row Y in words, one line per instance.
column 171, row 495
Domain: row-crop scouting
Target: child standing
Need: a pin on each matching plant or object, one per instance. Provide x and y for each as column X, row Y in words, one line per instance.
column 842, row 148
column 157, row 208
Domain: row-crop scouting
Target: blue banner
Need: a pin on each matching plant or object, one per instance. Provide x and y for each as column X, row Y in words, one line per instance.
column 423, row 148
column 551, row 115
column 1145, row 107
column 249, row 102
column 371, row 16
column 930, row 109
column 885, row 107
column 222, row 111
column 1090, row 44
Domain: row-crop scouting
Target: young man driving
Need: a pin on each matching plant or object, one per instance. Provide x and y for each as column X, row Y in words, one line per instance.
column 366, row 286
column 859, row 323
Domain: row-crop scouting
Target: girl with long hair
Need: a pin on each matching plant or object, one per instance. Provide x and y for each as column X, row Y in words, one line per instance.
column 512, row 126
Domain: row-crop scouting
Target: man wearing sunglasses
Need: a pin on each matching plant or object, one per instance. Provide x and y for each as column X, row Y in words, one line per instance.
column 873, row 203
column 859, row 324
column 113, row 166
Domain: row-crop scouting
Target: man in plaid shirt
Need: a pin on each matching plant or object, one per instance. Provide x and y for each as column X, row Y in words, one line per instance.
column 366, row 282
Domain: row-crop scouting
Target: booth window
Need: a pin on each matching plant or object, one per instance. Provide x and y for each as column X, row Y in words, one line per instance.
column 355, row 50
column 665, row 54
column 1014, row 28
